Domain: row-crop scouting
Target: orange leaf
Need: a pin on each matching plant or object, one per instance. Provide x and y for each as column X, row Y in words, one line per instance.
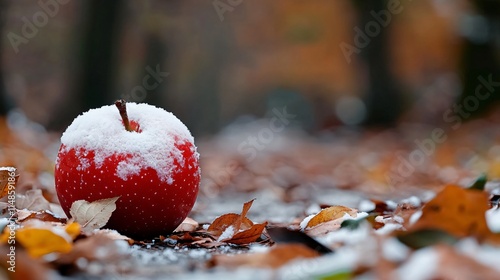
column 237, row 221
column 330, row 214
column 42, row 241
column 73, row 230
column 458, row 211
column 247, row 236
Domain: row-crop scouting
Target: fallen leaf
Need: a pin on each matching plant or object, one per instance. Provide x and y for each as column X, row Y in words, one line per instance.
column 32, row 200
column 8, row 180
column 274, row 258
column 187, row 225
column 457, row 211
column 73, row 229
column 247, row 236
column 237, row 221
column 330, row 214
column 93, row 215
column 41, row 238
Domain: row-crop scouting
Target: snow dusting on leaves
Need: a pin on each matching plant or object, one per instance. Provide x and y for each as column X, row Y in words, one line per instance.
column 236, row 228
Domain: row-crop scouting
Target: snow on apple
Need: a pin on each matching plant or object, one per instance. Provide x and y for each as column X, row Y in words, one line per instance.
column 141, row 153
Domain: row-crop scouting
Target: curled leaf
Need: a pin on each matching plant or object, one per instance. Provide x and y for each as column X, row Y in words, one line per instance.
column 330, row 214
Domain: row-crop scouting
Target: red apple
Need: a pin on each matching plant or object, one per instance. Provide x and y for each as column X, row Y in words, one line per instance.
column 151, row 162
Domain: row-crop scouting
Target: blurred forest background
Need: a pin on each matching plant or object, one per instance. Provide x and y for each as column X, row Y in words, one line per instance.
column 332, row 63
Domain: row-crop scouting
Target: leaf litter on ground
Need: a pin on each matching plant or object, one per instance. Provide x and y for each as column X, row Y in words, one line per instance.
column 382, row 239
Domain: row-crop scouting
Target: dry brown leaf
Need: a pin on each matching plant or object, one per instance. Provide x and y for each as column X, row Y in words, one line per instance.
column 247, row 236
column 330, row 214
column 25, row 215
column 93, row 215
column 237, row 221
column 8, row 180
column 187, row 225
column 32, row 200
column 222, row 222
column 458, row 211
column 274, row 258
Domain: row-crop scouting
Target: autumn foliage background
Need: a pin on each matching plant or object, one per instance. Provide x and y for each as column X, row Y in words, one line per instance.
column 392, row 128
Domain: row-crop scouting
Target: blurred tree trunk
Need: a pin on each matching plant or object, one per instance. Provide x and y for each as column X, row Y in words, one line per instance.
column 98, row 54
column 4, row 106
column 384, row 101
column 95, row 59
column 157, row 55
column 481, row 56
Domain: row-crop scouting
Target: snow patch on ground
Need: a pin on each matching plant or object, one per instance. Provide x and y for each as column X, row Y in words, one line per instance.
column 388, row 228
column 394, row 251
column 366, row 206
column 493, row 219
column 413, row 201
column 421, row 265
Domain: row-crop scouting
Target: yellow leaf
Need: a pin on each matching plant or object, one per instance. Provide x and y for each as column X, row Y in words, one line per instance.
column 330, row 214
column 42, row 241
column 5, row 236
column 73, row 230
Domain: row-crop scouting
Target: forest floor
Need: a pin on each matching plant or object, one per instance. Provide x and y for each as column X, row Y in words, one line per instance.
column 365, row 204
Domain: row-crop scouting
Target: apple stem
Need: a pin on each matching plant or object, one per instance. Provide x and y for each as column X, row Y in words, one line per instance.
column 122, row 108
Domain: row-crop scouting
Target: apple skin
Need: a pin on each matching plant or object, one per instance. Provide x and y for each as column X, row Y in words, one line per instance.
column 149, row 205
